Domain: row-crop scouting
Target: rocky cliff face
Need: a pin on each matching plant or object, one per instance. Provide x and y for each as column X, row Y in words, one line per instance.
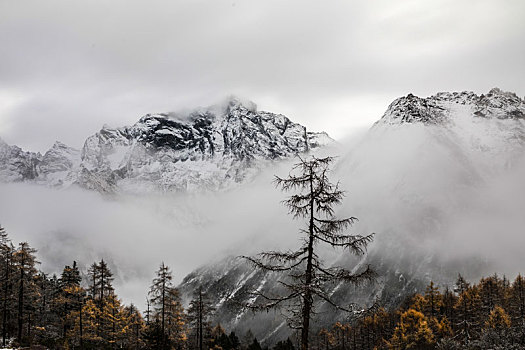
column 17, row 165
column 208, row 149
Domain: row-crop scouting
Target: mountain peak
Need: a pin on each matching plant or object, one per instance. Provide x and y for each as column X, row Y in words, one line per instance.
column 208, row 148
column 412, row 109
column 59, row 145
column 235, row 102
column 436, row 109
column 498, row 92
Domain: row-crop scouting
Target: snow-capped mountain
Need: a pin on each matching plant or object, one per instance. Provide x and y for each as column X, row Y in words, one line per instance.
column 438, row 108
column 209, row 148
column 438, row 179
column 486, row 130
column 427, row 178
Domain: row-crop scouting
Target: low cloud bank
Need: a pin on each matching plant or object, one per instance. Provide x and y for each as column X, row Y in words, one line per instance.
column 423, row 197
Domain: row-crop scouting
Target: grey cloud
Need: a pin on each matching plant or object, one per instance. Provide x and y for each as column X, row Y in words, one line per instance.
column 80, row 65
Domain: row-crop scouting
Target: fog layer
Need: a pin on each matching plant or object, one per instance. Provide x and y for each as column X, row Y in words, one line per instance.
column 425, row 191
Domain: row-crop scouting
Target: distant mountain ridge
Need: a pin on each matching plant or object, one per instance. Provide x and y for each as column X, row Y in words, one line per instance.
column 209, row 148
column 495, row 104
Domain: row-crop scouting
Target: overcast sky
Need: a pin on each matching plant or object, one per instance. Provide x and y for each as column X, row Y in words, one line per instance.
column 68, row 67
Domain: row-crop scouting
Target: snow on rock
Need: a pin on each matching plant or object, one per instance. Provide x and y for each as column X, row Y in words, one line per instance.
column 57, row 164
column 437, row 109
column 488, row 128
column 209, row 148
column 17, row 165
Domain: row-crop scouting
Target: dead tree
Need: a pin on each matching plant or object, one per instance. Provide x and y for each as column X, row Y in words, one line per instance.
column 307, row 279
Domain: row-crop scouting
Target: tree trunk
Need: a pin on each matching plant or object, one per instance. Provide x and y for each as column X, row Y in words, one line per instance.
column 4, row 307
column 114, row 326
column 163, row 312
column 80, row 322
column 21, row 301
column 200, row 319
column 521, row 308
column 100, row 323
column 307, row 298
column 101, row 282
column 136, row 336
column 29, row 328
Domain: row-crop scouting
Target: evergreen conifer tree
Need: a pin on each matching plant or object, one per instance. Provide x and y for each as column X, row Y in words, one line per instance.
column 491, row 293
column 199, row 313
column 25, row 273
column 447, row 307
column 100, row 289
column 412, row 332
column 6, row 270
column 76, row 317
column 286, row 345
column 135, row 327
column 517, row 301
column 315, row 202
column 468, row 311
column 167, row 308
column 433, row 301
column 254, row 345
column 498, row 319
column 67, row 299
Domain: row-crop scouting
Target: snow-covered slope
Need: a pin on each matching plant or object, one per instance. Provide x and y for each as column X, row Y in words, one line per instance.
column 57, row 166
column 207, row 149
column 486, row 131
column 428, row 179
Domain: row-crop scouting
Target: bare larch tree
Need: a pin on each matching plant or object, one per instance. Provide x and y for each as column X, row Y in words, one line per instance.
column 307, row 279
